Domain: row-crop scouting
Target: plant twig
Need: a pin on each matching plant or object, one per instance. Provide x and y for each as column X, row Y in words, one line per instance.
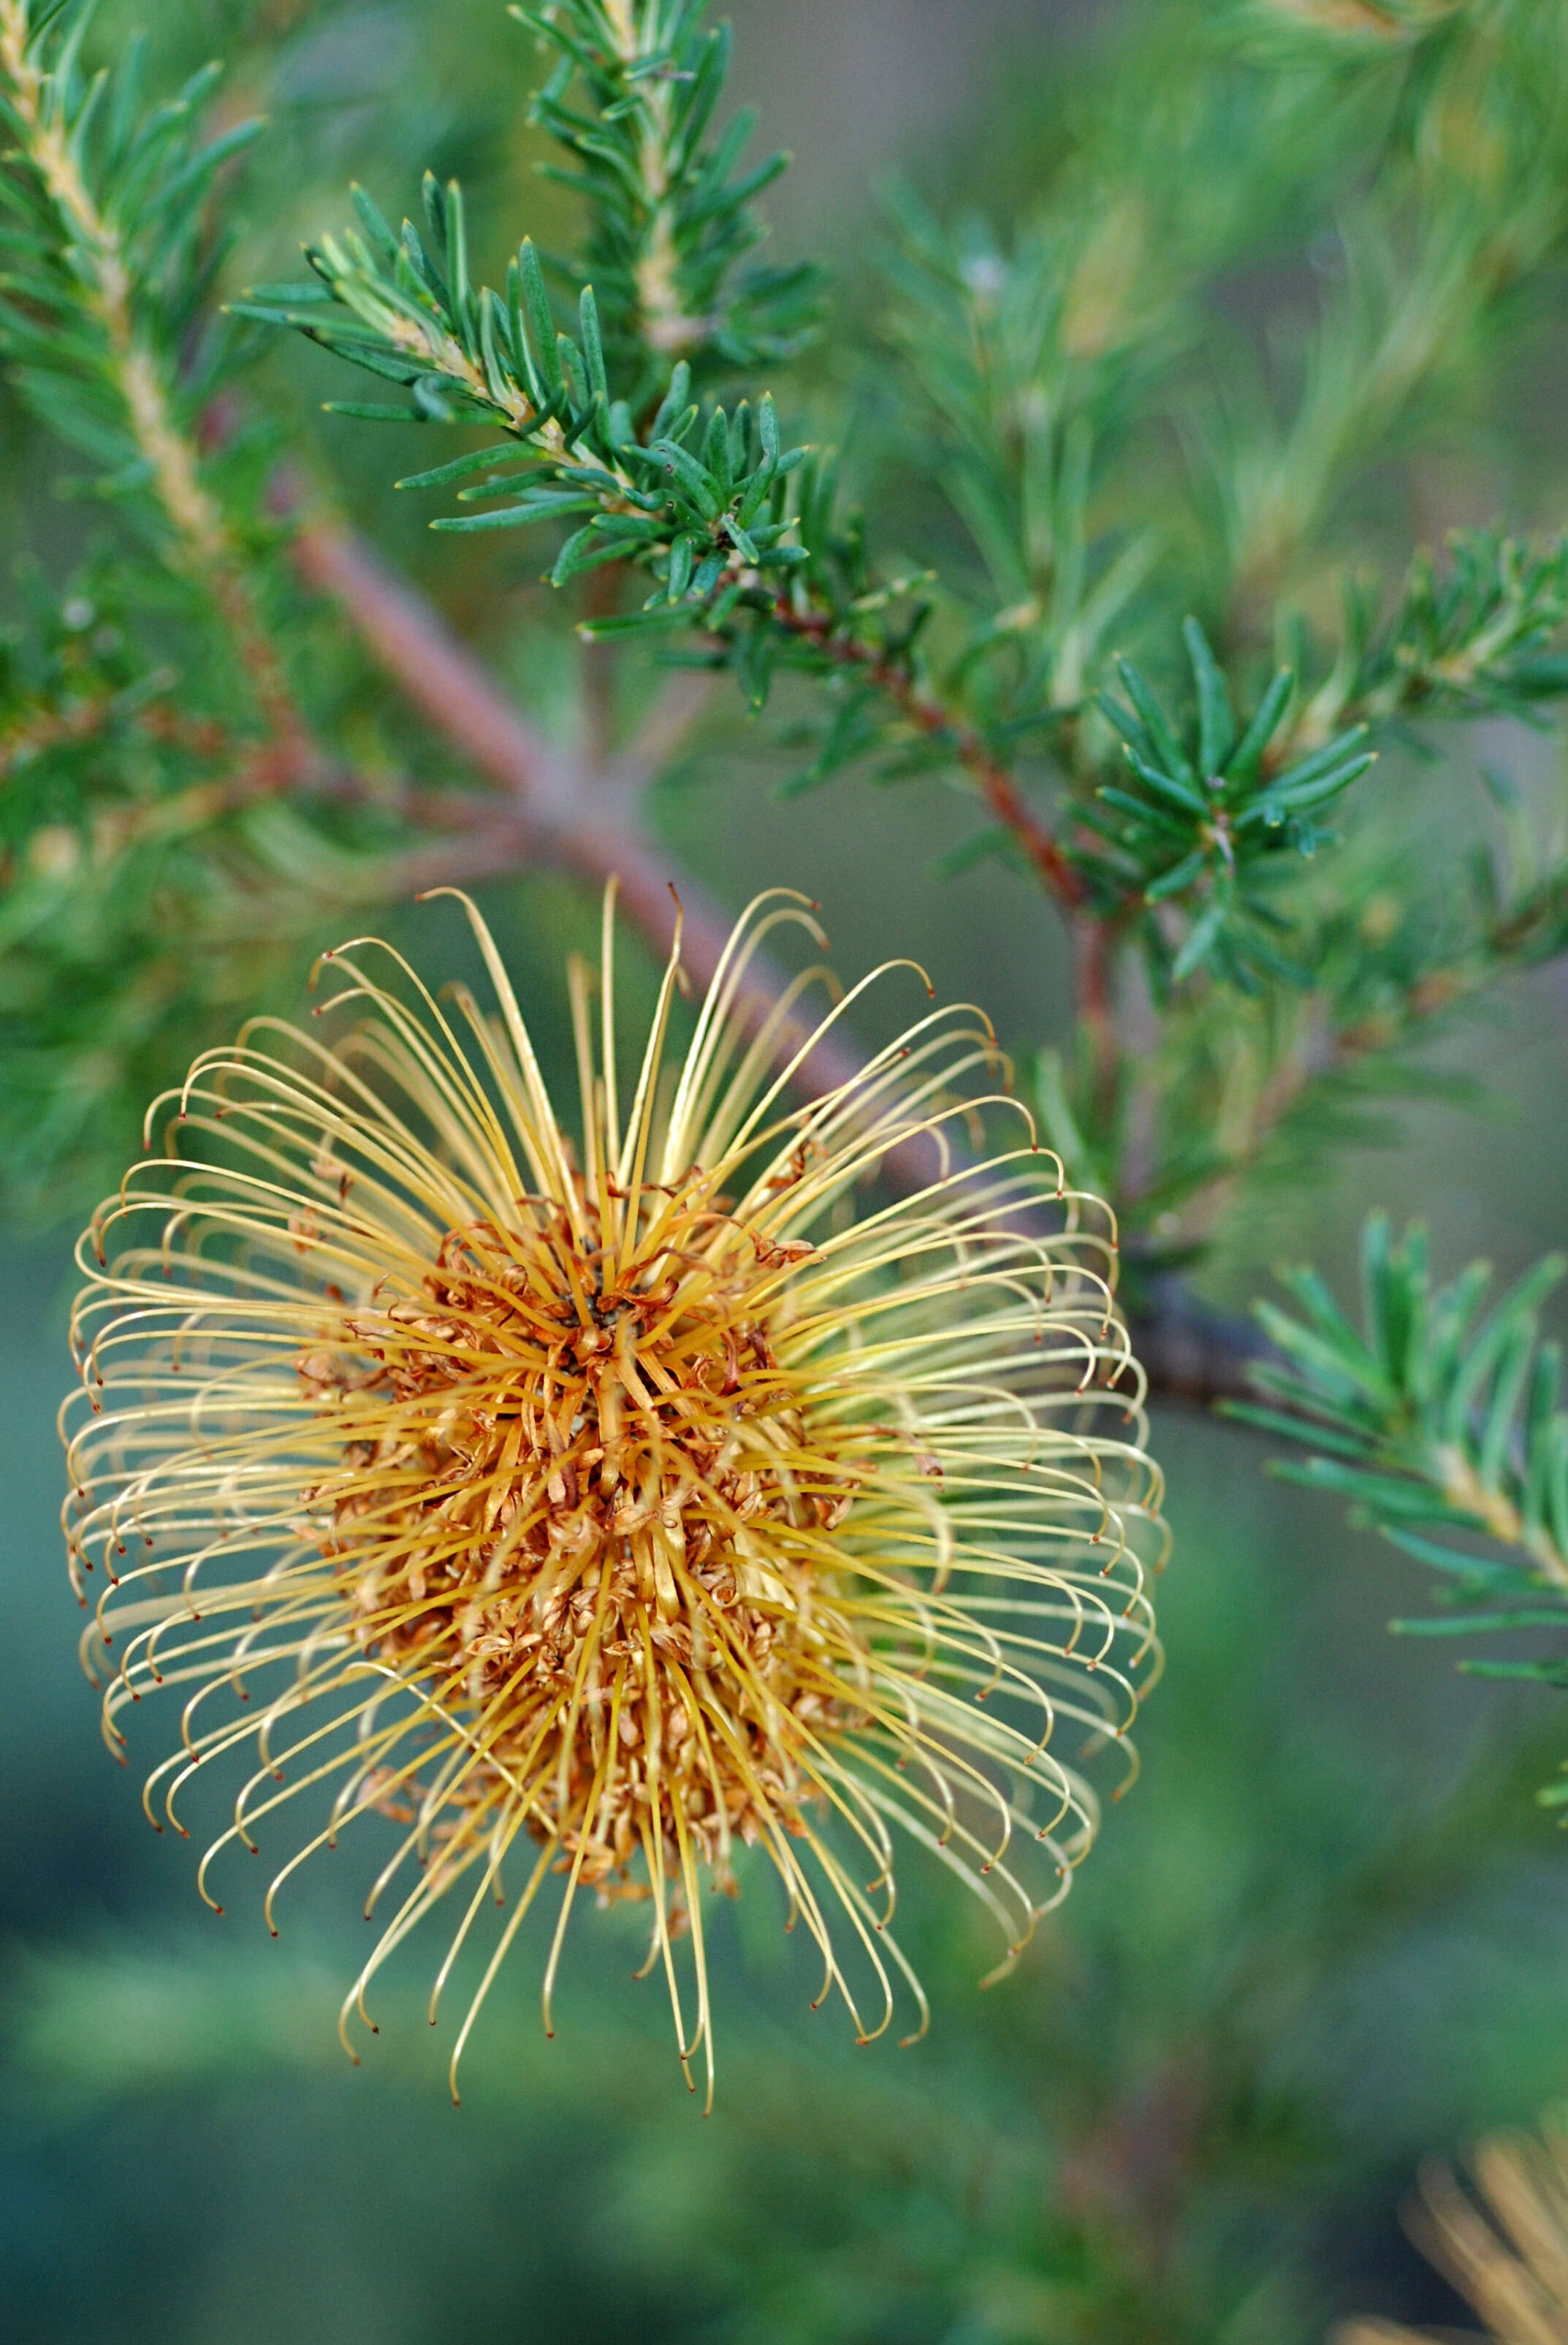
column 996, row 784
column 1190, row 1351
column 431, row 668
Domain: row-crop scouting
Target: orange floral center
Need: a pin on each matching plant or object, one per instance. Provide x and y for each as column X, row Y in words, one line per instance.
column 579, row 1506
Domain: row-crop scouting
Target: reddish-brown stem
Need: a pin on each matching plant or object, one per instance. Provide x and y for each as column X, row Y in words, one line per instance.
column 995, row 785
column 1091, row 936
column 432, row 669
column 602, row 600
column 1097, row 1006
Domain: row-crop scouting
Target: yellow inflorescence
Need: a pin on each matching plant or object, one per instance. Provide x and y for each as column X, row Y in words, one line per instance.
column 592, row 1510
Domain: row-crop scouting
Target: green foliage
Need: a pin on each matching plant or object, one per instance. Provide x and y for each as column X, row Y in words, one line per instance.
column 708, row 519
column 153, row 876
column 1211, row 818
column 1026, row 379
column 1440, row 1423
column 107, row 322
column 1024, row 367
column 671, row 214
column 1470, row 641
column 151, row 882
column 1218, row 804
column 1354, row 28
column 618, row 447
column 613, row 442
column 1022, row 388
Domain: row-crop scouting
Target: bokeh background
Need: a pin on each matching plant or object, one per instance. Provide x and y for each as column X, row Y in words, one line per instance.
column 1326, row 1936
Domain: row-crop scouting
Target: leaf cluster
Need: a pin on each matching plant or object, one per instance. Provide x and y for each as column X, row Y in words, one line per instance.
column 1470, row 639
column 154, row 877
column 701, row 506
column 1209, row 816
column 107, row 256
column 671, row 214
column 743, row 537
column 1024, row 367
column 1439, row 1421
column 1212, row 807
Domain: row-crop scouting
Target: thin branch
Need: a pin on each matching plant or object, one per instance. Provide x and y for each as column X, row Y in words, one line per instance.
column 432, row 669
column 1190, row 1351
column 76, row 720
column 1532, row 931
column 668, row 725
column 995, row 785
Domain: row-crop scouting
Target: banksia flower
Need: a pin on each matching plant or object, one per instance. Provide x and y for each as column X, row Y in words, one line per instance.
column 1502, row 2245
column 583, row 1513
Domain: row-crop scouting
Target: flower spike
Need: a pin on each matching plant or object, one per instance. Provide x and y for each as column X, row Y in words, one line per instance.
column 589, row 1507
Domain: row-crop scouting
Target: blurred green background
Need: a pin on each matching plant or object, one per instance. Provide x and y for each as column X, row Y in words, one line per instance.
column 1327, row 1934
